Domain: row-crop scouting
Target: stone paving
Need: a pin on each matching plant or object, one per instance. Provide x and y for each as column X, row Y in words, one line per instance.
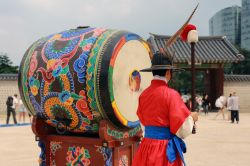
column 217, row 143
column 18, row 146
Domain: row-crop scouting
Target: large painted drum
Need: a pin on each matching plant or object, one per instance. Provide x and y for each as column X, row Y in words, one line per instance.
column 84, row 75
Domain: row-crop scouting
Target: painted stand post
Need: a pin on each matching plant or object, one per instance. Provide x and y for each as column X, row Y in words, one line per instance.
column 112, row 147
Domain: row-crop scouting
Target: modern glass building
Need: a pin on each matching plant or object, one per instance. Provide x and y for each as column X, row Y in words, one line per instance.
column 227, row 22
column 245, row 25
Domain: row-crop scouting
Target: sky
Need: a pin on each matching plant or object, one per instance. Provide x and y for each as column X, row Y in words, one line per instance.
column 22, row 22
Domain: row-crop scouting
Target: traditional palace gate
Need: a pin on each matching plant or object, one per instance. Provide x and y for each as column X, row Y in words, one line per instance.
column 211, row 55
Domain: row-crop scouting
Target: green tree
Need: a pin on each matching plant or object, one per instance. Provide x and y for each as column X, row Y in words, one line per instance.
column 240, row 67
column 6, row 66
column 182, row 81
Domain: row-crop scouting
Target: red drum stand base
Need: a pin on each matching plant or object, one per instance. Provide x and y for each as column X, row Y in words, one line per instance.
column 111, row 147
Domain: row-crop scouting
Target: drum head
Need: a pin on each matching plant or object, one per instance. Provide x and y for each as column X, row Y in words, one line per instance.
column 124, row 81
column 128, row 82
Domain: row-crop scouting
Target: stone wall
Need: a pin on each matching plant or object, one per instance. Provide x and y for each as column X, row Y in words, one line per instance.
column 242, row 90
column 7, row 88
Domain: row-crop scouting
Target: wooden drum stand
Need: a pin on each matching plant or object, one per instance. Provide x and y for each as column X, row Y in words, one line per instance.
column 109, row 147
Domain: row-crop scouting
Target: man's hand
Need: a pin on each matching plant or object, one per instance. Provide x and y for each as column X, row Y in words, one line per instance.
column 194, row 116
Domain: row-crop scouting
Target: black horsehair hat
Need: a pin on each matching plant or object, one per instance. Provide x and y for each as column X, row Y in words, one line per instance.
column 161, row 61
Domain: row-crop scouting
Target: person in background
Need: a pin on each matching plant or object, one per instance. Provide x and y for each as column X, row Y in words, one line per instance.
column 11, row 106
column 22, row 111
column 185, row 99
column 206, row 104
column 15, row 102
column 220, row 103
column 199, row 102
column 234, row 103
column 189, row 104
column 30, row 117
column 229, row 106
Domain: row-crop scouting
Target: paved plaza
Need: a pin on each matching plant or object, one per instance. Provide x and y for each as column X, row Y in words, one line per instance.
column 217, row 143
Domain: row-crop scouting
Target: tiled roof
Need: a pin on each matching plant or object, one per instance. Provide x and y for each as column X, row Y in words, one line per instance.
column 8, row 76
column 237, row 78
column 209, row 49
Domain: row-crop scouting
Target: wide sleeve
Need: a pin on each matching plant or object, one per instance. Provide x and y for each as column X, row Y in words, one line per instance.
column 186, row 128
column 178, row 112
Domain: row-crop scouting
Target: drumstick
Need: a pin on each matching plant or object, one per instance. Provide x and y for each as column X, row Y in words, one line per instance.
column 174, row 37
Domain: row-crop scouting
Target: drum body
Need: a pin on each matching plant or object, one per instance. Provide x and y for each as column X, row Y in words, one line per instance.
column 83, row 75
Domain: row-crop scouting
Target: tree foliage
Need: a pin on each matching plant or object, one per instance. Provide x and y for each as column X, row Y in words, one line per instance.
column 6, row 66
column 240, row 67
column 182, row 81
